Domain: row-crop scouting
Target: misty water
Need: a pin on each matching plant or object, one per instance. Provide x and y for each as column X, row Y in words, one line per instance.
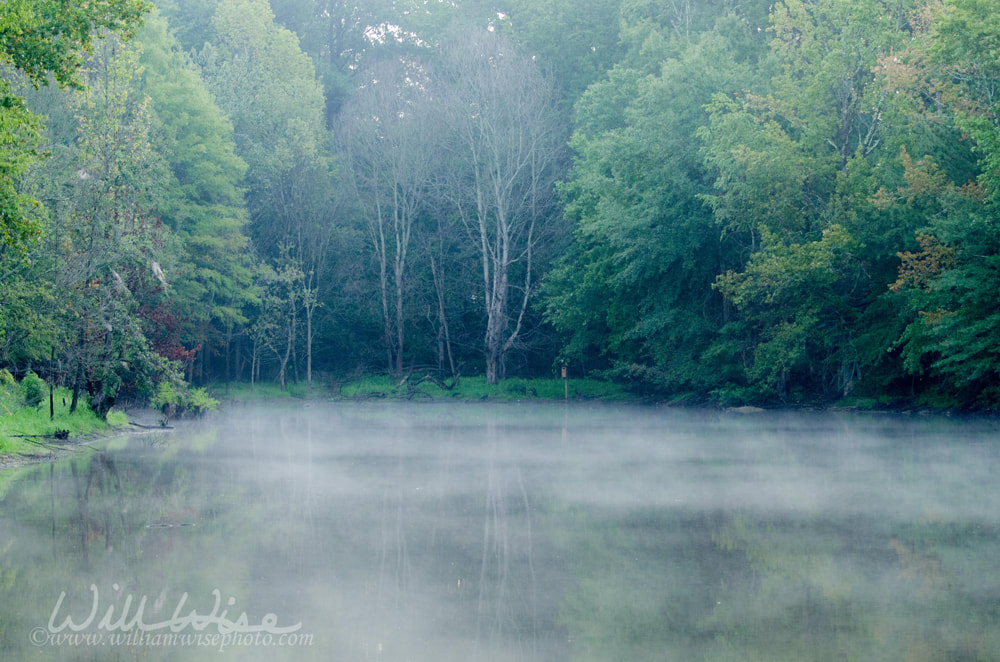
column 440, row 532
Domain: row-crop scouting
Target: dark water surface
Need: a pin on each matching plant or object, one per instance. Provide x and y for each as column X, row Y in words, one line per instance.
column 464, row 532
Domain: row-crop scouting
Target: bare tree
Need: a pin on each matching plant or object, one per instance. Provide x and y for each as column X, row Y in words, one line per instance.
column 386, row 141
column 505, row 150
column 314, row 241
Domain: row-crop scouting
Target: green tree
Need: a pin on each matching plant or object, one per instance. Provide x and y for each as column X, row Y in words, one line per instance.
column 797, row 170
column 260, row 77
column 105, row 227
column 202, row 205
column 31, row 323
column 39, row 38
column 949, row 284
column 576, row 41
column 335, row 33
column 190, row 21
column 633, row 294
column 267, row 86
column 778, row 153
column 797, row 299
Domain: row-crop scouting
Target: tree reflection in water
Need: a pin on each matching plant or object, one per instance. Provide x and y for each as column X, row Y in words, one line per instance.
column 397, row 532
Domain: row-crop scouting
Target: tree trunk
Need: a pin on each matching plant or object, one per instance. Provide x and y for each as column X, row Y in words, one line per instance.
column 295, row 351
column 52, row 387
column 309, row 348
column 496, row 316
column 253, row 365
column 281, row 372
column 491, row 369
column 442, row 317
column 399, row 322
column 229, row 342
column 102, row 403
column 284, row 359
column 78, row 381
column 386, row 320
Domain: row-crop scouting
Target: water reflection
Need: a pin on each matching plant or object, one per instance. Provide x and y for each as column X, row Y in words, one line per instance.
column 473, row 532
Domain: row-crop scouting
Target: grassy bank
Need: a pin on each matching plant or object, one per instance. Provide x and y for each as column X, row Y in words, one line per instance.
column 469, row 388
column 19, row 418
column 476, row 388
column 267, row 391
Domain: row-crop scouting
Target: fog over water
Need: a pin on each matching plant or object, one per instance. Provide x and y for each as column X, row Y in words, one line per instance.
column 405, row 531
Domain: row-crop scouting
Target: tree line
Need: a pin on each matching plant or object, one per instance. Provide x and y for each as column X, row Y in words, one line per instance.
column 729, row 201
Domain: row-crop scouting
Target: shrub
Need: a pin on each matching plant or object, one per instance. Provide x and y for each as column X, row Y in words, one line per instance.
column 165, row 396
column 198, row 401
column 33, row 389
column 6, row 379
column 176, row 398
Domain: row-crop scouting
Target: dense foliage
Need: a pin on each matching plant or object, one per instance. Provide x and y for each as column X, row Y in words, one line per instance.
column 731, row 201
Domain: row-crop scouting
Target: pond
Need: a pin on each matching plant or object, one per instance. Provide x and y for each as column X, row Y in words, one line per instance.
column 459, row 532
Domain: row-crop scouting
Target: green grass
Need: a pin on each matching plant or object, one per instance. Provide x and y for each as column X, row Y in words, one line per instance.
column 475, row 388
column 267, row 391
column 16, row 418
column 866, row 403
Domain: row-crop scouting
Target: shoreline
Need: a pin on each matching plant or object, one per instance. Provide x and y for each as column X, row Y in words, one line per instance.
column 375, row 388
column 910, row 409
column 81, row 443
column 73, row 446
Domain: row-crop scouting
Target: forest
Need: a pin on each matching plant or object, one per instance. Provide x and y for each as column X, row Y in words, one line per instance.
column 722, row 201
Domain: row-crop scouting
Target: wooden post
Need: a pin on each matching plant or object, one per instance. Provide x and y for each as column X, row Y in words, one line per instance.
column 565, row 383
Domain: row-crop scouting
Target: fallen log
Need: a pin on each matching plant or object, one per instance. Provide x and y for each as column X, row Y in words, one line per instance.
column 58, row 434
column 411, row 385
